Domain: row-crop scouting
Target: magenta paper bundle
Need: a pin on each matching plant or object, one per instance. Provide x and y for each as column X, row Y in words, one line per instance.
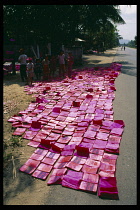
column 71, row 126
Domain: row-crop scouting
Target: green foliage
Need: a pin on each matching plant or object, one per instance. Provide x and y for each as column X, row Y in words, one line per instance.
column 5, row 145
column 133, row 43
column 16, row 141
column 29, row 24
column 7, row 156
column 135, row 40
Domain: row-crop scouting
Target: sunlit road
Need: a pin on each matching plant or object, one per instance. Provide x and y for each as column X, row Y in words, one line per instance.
column 124, row 107
column 128, row 60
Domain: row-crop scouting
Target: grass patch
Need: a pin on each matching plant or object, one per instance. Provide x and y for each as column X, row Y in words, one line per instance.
column 16, row 141
column 7, row 157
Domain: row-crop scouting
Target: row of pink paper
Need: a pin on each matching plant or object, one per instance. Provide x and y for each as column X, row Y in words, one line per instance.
column 71, row 125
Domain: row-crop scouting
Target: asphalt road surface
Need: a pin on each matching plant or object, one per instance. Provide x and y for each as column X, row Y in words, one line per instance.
column 128, row 60
column 124, row 107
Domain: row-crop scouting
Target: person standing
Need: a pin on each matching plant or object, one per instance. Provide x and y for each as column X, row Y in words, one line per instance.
column 53, row 61
column 46, row 70
column 70, row 61
column 23, row 63
column 30, row 72
column 38, row 69
column 124, row 46
column 61, row 58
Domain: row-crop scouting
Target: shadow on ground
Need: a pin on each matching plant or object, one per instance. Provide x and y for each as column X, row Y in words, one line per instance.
column 128, row 68
column 120, row 54
column 15, row 79
column 93, row 63
column 13, row 186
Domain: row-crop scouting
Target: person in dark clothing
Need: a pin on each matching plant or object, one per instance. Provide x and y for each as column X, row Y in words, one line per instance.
column 53, row 61
column 124, row 46
column 38, row 69
column 23, row 63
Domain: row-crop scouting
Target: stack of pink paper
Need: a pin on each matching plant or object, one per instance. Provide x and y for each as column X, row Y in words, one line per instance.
column 71, row 125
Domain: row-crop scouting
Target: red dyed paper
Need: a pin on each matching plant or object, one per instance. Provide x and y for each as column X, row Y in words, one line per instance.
column 88, row 186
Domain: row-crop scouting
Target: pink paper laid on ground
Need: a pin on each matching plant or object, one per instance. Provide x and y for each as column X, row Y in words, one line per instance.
column 90, row 134
column 49, row 161
column 77, row 137
column 45, row 167
column 59, row 172
column 82, row 151
column 92, row 163
column 88, row 186
column 97, row 151
column 86, row 140
column 53, row 137
column 19, row 131
column 33, row 144
column 117, row 131
column 78, row 160
column 59, row 165
column 40, row 174
column 93, row 178
column 106, row 174
column 39, row 136
column 27, row 169
column 112, row 148
column 55, row 180
column 52, row 155
column 74, row 166
column 95, row 157
column 35, row 126
column 121, row 122
column 64, row 139
column 41, row 151
column 69, row 184
column 89, row 169
column 35, row 156
column 99, row 144
column 86, row 145
column 108, row 188
column 110, row 156
column 113, row 139
column 67, row 152
column 107, row 160
column 29, row 166
column 63, row 159
column 69, row 147
column 72, row 179
column 57, row 147
column 102, row 136
column 67, row 133
column 29, row 135
column 94, row 128
column 107, row 167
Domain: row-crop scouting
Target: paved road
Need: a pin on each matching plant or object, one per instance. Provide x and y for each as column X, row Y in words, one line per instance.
column 128, row 60
column 124, row 107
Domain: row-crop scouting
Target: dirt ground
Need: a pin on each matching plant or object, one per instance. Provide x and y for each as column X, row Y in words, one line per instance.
column 20, row 188
column 17, row 187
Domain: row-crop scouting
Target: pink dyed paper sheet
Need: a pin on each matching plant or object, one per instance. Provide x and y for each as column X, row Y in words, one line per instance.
column 71, row 125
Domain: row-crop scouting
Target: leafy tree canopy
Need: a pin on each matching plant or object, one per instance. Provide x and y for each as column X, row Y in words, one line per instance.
column 59, row 23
